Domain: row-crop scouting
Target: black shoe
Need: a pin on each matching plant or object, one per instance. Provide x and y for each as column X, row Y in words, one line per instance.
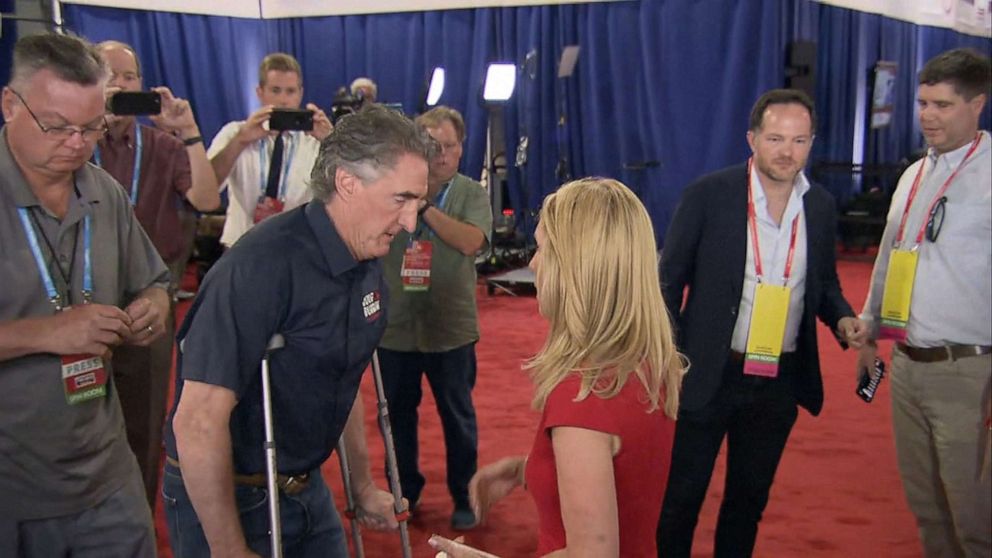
column 463, row 519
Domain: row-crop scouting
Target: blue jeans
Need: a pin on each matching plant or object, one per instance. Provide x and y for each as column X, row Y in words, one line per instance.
column 310, row 524
column 451, row 376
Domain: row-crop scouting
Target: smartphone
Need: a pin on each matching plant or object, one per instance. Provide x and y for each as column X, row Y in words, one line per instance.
column 868, row 382
column 129, row 103
column 291, row 119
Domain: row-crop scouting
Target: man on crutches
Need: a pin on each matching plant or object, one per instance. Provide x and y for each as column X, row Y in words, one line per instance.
column 311, row 275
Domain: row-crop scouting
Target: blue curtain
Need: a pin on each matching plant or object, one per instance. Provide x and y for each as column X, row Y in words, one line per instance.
column 660, row 95
column 7, row 37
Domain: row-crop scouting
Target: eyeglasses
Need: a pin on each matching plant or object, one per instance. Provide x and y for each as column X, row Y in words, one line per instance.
column 63, row 133
column 936, row 219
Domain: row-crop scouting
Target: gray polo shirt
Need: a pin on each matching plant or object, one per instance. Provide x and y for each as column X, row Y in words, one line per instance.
column 57, row 458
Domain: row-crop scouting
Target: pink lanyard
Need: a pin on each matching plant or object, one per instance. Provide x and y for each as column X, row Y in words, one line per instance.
column 752, row 222
column 940, row 193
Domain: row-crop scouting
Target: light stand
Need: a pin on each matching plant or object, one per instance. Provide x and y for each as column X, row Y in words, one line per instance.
column 501, row 78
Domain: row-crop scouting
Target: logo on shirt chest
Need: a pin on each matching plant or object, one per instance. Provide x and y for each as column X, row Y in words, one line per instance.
column 371, row 306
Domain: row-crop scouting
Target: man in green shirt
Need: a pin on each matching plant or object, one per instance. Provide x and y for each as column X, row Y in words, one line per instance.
column 433, row 322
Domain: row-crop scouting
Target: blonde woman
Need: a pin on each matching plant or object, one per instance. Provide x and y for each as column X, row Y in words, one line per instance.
column 607, row 382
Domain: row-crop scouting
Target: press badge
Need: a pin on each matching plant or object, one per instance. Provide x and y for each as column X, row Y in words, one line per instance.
column 767, row 329
column 898, row 294
column 416, row 270
column 267, row 207
column 84, row 377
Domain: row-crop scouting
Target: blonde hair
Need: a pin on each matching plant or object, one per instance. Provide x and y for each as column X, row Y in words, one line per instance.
column 598, row 285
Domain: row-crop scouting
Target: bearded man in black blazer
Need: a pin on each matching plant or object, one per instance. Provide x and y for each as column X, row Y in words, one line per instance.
column 754, row 244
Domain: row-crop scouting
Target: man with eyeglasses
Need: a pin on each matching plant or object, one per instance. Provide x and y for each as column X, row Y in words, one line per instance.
column 79, row 278
column 930, row 294
column 433, row 321
column 166, row 177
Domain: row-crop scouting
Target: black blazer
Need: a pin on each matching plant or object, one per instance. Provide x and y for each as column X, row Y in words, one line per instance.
column 705, row 250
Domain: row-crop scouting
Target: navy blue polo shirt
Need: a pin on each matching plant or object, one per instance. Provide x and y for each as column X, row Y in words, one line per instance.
column 292, row 274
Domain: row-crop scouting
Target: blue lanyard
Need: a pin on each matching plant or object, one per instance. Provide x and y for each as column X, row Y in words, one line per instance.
column 53, row 295
column 263, row 168
column 137, row 163
column 440, row 206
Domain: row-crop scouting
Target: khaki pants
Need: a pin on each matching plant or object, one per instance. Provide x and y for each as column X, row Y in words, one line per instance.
column 938, row 412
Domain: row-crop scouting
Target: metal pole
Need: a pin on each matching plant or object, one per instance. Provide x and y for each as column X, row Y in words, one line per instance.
column 349, row 494
column 271, row 472
column 402, row 515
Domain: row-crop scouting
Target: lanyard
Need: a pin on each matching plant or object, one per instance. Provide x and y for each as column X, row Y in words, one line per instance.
column 940, row 193
column 53, row 295
column 137, row 163
column 439, row 205
column 752, row 222
column 263, row 167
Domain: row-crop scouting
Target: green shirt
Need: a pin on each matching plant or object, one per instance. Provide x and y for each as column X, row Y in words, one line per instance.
column 445, row 316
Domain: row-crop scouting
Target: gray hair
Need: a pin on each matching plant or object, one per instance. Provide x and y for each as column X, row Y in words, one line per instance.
column 364, row 144
column 365, row 83
column 70, row 58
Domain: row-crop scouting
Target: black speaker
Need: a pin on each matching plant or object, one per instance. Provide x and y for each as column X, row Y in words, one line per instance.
column 800, row 67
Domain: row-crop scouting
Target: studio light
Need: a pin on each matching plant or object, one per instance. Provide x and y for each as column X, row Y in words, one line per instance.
column 500, row 80
column 436, row 88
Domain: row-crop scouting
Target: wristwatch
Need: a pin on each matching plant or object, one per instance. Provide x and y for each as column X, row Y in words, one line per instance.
column 423, row 208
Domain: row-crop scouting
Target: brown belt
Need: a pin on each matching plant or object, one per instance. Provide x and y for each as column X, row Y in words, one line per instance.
column 289, row 484
column 938, row 354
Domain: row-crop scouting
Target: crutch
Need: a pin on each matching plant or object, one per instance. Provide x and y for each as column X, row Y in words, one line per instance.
column 350, row 512
column 402, row 515
column 275, row 526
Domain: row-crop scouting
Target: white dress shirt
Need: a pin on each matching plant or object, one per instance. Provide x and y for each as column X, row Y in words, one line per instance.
column 774, row 239
column 245, row 182
column 952, row 291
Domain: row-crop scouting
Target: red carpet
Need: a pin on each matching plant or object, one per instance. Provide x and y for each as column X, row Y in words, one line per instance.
column 837, row 492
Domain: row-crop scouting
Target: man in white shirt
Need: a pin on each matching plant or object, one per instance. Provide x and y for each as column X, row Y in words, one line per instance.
column 936, row 253
column 245, row 153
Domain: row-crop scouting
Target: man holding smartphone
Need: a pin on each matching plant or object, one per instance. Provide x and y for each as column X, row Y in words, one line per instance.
column 161, row 168
column 267, row 171
column 929, row 294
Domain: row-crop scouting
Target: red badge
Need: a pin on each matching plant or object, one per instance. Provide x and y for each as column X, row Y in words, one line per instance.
column 83, row 377
column 416, row 270
column 267, row 207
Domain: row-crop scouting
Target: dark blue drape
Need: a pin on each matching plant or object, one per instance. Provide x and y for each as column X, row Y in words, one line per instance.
column 660, row 95
column 7, row 38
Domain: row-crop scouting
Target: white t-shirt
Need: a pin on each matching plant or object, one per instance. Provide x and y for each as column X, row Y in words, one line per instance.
column 247, row 179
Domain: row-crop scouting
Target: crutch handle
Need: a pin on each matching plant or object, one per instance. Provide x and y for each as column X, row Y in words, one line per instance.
column 276, row 342
column 271, row 469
